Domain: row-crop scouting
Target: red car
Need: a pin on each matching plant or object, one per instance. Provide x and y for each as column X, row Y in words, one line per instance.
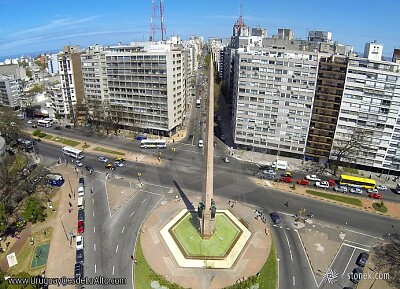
column 286, row 179
column 375, row 196
column 303, row 182
column 81, row 227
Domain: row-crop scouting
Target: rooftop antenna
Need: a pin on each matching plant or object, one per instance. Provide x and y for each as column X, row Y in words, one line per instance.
column 157, row 15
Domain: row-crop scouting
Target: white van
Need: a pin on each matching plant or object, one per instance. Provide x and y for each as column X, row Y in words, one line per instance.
column 81, row 191
column 201, row 143
column 81, row 203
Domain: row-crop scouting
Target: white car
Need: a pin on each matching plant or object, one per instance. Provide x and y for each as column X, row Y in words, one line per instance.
column 356, row 191
column 225, row 159
column 373, row 191
column 79, row 242
column 103, row 159
column 313, row 178
column 78, row 163
column 340, row 189
column 201, row 143
column 323, row 185
column 81, row 191
column 118, row 164
column 29, row 121
column 269, row 172
column 381, row 188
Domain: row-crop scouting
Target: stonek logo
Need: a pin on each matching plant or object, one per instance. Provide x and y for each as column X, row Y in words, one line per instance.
column 330, row 276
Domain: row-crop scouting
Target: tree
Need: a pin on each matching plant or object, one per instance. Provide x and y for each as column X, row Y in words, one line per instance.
column 387, row 257
column 37, row 88
column 348, row 148
column 34, row 210
column 28, row 73
column 5, row 284
column 10, row 124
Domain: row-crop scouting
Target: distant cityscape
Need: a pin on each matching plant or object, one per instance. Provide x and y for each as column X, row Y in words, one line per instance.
column 286, row 96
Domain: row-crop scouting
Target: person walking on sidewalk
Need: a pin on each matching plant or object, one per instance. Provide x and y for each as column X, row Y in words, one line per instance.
column 287, row 204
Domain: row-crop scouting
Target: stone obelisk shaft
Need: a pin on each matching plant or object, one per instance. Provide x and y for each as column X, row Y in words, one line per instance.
column 207, row 226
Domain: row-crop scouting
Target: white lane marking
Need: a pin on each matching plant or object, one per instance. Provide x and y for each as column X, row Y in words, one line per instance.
column 144, row 200
column 123, row 229
column 355, row 247
column 108, row 202
column 290, row 250
column 94, row 230
column 334, row 258
column 93, row 201
column 113, row 270
column 344, row 271
column 277, row 285
column 363, row 234
column 95, row 268
column 152, row 193
column 357, row 243
column 116, row 250
column 93, row 214
column 305, row 254
column 294, row 280
column 131, row 214
column 288, row 228
column 94, row 247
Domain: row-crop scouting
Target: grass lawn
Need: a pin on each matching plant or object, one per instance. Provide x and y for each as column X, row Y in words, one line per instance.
column 104, row 150
column 25, row 256
column 380, row 207
column 350, row 170
column 48, row 136
column 85, row 146
column 335, row 197
column 269, row 272
column 194, row 245
column 65, row 141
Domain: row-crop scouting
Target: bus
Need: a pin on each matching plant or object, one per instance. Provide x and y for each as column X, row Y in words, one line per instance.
column 198, row 103
column 398, row 189
column 357, row 182
column 75, row 153
column 149, row 144
column 43, row 122
column 54, row 179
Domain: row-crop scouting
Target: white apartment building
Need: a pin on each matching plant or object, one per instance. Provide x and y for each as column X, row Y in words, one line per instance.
column 10, row 91
column 371, row 101
column 273, row 93
column 146, row 84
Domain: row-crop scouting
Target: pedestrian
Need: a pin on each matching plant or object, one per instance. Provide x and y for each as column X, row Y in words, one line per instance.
column 132, row 256
column 69, row 210
column 69, row 195
column 7, row 244
column 70, row 204
column 287, row 204
column 135, row 261
column 91, row 190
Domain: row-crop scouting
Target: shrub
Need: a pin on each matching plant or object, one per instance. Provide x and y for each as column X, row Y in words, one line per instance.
column 42, row 134
column 36, row 132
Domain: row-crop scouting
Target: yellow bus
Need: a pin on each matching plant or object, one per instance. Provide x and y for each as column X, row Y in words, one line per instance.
column 357, row 182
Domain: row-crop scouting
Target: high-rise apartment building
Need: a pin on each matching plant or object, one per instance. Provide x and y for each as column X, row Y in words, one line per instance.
column 10, row 91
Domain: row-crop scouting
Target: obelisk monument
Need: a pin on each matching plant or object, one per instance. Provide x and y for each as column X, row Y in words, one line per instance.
column 207, row 206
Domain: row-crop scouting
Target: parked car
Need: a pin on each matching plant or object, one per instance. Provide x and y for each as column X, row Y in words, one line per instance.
column 79, row 256
column 225, row 159
column 78, row 270
column 323, row 185
column 381, row 188
column 313, row 178
column 57, row 128
column 286, row 179
column 331, row 182
column 356, row 275
column 376, row 196
column 374, row 191
column 264, row 168
column 201, row 143
column 79, row 242
column 303, row 182
column 81, row 215
column 275, row 218
column 356, row 191
column 81, row 227
column 68, row 126
column 340, row 189
column 362, row 259
column 81, row 191
column 267, row 176
column 269, row 172
column 78, row 163
column 81, row 181
column 89, row 168
column 103, row 159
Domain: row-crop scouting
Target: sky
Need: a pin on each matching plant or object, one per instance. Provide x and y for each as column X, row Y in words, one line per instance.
column 41, row 26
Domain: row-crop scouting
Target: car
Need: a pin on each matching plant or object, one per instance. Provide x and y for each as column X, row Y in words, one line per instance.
column 356, row 191
column 79, row 256
column 121, row 160
column 356, row 274
column 286, row 179
column 68, row 126
column 34, row 125
column 313, row 178
column 38, row 139
column 118, row 164
column 331, row 182
column 376, row 196
column 140, row 137
column 29, row 121
column 57, row 128
column 374, row 191
column 381, row 188
column 222, row 137
column 78, row 270
column 81, row 227
column 340, row 189
column 78, row 163
column 201, row 144
column 275, row 218
column 81, row 181
column 323, row 185
column 267, row 176
column 110, row 167
column 89, row 168
column 103, row 159
column 79, row 242
column 219, row 118
column 264, row 168
column 362, row 259
column 288, row 174
column 269, row 172
column 81, row 215
column 303, row 182
column 225, row 159
column 81, row 191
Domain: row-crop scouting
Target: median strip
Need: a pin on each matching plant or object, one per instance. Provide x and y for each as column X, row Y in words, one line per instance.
column 342, row 199
column 104, row 150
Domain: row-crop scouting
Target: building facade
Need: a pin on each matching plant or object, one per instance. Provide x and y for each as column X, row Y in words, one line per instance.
column 10, row 91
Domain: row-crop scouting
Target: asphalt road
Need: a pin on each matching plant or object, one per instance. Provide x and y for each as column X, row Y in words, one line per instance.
column 230, row 180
